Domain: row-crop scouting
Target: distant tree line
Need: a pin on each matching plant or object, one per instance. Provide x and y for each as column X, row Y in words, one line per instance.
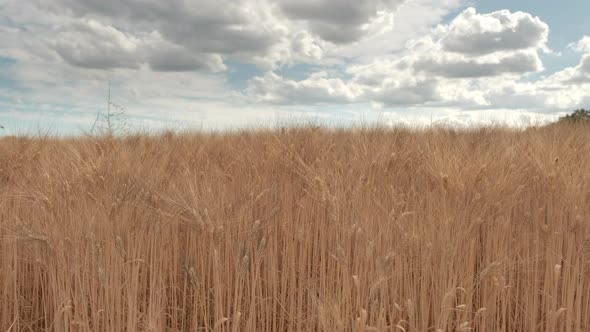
column 577, row 116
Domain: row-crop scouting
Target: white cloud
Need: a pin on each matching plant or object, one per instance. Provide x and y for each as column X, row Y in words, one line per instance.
column 582, row 46
column 477, row 45
column 472, row 33
column 386, row 83
column 578, row 75
column 412, row 19
column 427, row 73
column 389, row 88
column 305, row 46
column 318, row 88
column 581, row 73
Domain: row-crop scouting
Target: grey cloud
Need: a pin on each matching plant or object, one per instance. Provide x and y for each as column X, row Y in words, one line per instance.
column 178, row 60
column 200, row 36
column 337, row 21
column 135, row 10
column 477, row 34
column 264, row 32
column 517, row 63
column 336, row 12
column 337, row 34
column 417, row 93
column 585, row 64
column 94, row 60
column 89, row 44
column 221, row 27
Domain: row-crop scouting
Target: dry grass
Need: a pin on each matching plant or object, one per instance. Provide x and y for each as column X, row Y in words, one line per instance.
column 308, row 229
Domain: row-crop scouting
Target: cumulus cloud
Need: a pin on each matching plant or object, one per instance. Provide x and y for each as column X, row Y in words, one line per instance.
column 388, row 83
column 476, row 34
column 87, row 43
column 267, row 33
column 582, row 71
column 453, row 66
column 305, row 46
column 317, row 88
column 320, row 87
column 340, row 21
column 430, row 74
column 578, row 75
column 178, row 59
column 477, row 45
column 90, row 44
column 222, row 26
column 406, row 93
column 378, row 83
column 195, row 34
column 163, row 55
column 582, row 46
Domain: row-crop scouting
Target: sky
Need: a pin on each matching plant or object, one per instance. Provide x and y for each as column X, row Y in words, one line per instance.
column 218, row 64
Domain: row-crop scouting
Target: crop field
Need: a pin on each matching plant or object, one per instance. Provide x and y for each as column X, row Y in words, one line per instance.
column 301, row 229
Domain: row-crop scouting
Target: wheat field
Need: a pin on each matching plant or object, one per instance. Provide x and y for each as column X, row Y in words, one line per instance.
column 302, row 229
